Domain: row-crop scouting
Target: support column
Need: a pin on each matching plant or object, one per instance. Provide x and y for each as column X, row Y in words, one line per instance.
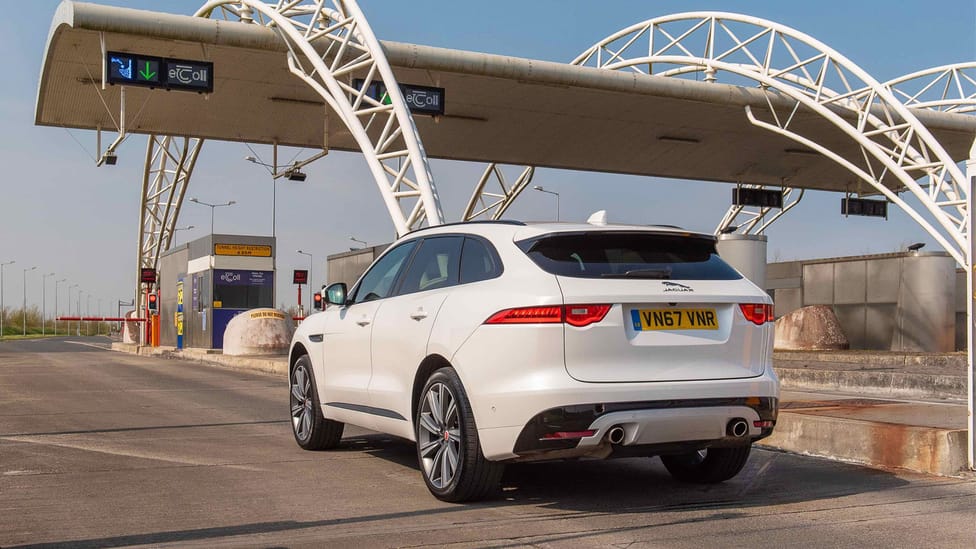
column 971, row 301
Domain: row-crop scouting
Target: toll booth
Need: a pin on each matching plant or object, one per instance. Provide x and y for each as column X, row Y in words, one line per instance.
column 208, row 281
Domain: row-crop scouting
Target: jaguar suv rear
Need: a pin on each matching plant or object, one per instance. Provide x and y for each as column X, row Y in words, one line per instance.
column 492, row 343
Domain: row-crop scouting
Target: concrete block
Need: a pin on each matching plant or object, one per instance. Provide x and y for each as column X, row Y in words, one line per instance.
column 923, row 449
column 810, row 328
column 258, row 332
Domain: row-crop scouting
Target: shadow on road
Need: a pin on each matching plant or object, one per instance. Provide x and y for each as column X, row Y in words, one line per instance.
column 633, row 485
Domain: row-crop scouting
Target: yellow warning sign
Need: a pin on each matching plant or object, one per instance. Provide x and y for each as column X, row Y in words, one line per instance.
column 267, row 314
column 248, row 250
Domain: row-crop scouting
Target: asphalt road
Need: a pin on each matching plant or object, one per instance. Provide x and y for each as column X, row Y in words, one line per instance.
column 103, row 449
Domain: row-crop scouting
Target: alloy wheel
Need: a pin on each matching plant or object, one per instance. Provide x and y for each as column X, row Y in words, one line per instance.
column 439, row 435
column 301, row 403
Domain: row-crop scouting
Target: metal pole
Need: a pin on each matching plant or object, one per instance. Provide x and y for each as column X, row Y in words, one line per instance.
column 547, row 191
column 24, row 311
column 310, row 261
column 971, row 303
column 44, row 303
column 3, row 311
column 68, row 331
column 56, row 283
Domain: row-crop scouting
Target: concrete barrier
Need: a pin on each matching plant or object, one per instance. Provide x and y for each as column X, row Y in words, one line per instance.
column 130, row 331
column 810, row 328
column 258, row 332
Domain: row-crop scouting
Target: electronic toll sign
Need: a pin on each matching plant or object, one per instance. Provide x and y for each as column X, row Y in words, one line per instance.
column 133, row 69
column 420, row 99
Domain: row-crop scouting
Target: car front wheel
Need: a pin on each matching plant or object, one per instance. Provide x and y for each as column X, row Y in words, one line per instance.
column 448, row 449
column 311, row 429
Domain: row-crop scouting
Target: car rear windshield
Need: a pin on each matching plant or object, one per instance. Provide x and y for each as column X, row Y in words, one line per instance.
column 628, row 255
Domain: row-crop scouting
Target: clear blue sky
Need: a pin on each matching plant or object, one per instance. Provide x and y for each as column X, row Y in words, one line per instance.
column 59, row 212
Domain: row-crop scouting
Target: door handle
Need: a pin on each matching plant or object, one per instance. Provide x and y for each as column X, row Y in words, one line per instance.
column 363, row 321
column 419, row 315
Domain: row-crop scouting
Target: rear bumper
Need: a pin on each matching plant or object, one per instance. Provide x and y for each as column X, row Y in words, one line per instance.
column 514, row 376
column 699, row 423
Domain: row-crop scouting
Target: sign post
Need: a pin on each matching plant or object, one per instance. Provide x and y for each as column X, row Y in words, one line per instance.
column 299, row 277
column 179, row 314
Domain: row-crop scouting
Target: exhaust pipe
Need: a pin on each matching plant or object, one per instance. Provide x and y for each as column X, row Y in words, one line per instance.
column 616, row 434
column 737, row 428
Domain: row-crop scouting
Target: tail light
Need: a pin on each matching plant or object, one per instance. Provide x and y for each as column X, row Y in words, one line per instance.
column 575, row 315
column 757, row 313
column 528, row 315
column 584, row 315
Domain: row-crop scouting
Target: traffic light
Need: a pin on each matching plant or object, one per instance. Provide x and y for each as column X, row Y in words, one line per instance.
column 152, row 301
column 317, row 299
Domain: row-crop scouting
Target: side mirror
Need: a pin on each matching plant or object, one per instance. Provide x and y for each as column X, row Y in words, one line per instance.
column 335, row 294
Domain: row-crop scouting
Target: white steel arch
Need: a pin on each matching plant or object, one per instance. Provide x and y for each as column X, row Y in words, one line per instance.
column 327, row 48
column 168, row 167
column 897, row 149
column 948, row 88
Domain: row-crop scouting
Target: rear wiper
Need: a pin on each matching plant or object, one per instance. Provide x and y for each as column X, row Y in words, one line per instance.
column 658, row 274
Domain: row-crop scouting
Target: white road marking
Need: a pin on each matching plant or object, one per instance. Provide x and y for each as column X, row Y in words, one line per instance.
column 95, row 345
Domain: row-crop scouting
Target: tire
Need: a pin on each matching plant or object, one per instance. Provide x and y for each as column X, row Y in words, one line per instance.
column 448, row 449
column 311, row 429
column 709, row 466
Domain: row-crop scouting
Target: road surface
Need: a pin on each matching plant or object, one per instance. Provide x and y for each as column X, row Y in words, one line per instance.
column 104, row 449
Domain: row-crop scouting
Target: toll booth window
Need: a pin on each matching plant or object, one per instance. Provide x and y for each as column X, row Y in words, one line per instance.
column 243, row 289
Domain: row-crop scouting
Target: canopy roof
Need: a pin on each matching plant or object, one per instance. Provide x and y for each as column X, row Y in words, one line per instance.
column 497, row 109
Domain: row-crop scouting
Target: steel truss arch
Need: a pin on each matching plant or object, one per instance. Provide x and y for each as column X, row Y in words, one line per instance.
column 327, row 47
column 168, row 167
column 896, row 148
column 948, row 88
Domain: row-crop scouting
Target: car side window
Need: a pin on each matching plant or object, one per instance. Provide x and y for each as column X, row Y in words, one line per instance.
column 378, row 282
column 478, row 262
column 435, row 265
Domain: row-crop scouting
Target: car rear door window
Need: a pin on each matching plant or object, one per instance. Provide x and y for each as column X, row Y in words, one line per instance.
column 435, row 265
column 628, row 255
column 478, row 261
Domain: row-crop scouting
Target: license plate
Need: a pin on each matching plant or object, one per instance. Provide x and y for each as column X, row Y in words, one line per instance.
column 674, row 319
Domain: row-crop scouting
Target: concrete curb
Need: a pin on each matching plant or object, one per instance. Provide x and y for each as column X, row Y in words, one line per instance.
column 875, row 358
column 275, row 364
column 922, row 449
column 863, row 382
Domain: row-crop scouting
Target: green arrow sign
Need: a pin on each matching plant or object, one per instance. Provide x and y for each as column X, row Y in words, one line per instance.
column 146, row 73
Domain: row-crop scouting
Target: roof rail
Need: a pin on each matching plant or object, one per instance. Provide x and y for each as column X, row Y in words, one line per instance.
column 478, row 222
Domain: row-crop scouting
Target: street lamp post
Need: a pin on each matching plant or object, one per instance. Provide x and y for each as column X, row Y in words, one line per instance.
column 88, row 314
column 2, row 310
column 212, row 208
column 68, row 332
column 309, row 278
column 272, row 169
column 44, row 303
column 56, row 282
column 24, row 311
column 354, row 239
column 541, row 190
column 78, row 310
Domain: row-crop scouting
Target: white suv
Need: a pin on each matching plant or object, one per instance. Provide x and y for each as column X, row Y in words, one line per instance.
column 495, row 342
